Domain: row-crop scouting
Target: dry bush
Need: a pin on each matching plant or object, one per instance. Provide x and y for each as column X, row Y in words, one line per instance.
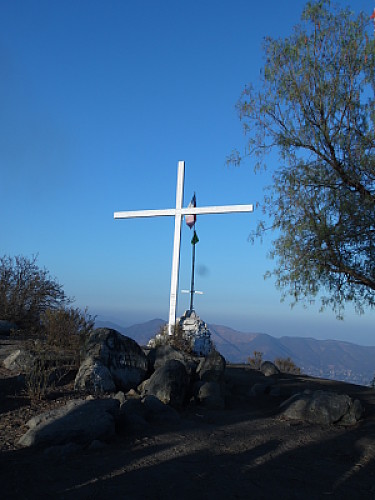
column 255, row 360
column 26, row 292
column 49, row 370
column 67, row 329
column 178, row 340
column 287, row 365
column 58, row 353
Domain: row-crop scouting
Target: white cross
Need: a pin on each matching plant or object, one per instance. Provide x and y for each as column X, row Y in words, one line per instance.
column 178, row 213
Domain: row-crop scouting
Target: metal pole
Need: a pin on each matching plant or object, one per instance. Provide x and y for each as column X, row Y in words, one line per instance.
column 192, row 279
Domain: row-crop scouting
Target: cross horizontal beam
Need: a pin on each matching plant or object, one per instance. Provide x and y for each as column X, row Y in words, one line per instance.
column 225, row 209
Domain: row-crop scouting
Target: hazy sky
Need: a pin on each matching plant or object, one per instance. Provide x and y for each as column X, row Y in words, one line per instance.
column 99, row 102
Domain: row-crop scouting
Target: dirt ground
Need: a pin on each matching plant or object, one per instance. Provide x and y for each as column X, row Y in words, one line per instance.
column 245, row 451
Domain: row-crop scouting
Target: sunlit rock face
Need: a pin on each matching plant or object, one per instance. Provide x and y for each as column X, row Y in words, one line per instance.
column 194, row 329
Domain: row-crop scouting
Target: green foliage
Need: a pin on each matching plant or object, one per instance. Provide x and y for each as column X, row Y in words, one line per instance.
column 255, row 360
column 26, row 292
column 287, row 365
column 316, row 106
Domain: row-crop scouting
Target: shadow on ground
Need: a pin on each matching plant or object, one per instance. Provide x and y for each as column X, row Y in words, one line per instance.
column 245, row 451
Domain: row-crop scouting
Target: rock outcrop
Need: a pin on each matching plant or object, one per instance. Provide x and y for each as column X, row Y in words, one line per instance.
column 268, row 369
column 323, row 407
column 169, row 383
column 79, row 421
column 19, row 360
column 111, row 362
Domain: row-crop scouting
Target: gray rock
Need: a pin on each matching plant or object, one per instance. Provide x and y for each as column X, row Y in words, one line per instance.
column 93, row 375
column 159, row 355
column 132, row 414
column 111, row 362
column 158, row 411
column 169, row 383
column 120, row 396
column 211, row 368
column 211, row 395
column 19, row 360
column 80, row 422
column 323, row 407
column 268, row 369
column 196, row 332
column 136, row 413
column 133, row 394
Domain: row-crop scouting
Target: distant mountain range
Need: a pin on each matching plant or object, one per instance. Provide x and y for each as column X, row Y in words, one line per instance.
column 333, row 359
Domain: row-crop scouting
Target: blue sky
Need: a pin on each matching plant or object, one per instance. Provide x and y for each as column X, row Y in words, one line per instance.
column 99, row 102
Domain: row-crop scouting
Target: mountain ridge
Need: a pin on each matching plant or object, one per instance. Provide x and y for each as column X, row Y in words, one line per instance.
column 332, row 359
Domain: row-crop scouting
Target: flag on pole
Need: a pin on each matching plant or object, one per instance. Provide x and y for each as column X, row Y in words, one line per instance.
column 195, row 238
column 190, row 219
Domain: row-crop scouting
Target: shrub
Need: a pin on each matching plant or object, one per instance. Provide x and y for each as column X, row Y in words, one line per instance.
column 287, row 365
column 255, row 360
column 50, row 368
column 57, row 353
column 26, row 292
column 178, row 340
column 67, row 329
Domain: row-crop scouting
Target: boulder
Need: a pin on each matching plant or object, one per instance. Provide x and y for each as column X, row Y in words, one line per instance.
column 79, row 421
column 212, row 367
column 268, row 369
column 159, row 355
column 111, row 362
column 93, row 375
column 210, row 394
column 158, row 411
column 19, row 360
column 135, row 414
column 169, row 383
column 132, row 415
column 323, row 407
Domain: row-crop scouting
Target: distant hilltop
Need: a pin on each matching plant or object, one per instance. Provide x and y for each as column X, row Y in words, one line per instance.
column 331, row 359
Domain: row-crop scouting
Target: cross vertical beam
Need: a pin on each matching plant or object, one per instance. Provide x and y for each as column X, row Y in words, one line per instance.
column 176, row 247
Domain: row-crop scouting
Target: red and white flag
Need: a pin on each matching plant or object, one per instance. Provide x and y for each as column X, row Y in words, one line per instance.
column 191, row 219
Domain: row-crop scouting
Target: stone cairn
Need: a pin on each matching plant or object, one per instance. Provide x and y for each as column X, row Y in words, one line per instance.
column 193, row 330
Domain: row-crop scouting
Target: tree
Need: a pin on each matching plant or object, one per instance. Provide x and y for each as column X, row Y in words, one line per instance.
column 315, row 105
column 26, row 292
